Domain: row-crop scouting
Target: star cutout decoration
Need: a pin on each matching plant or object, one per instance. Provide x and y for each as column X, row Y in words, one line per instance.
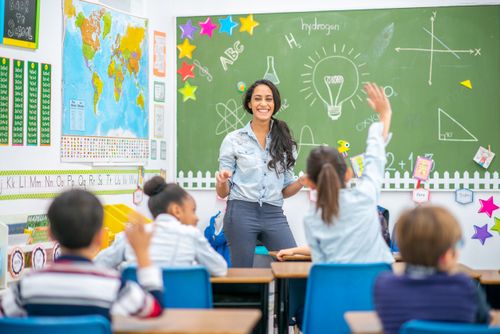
column 496, row 227
column 487, row 206
column 186, row 71
column 207, row 27
column 187, row 30
column 481, row 233
column 188, row 92
column 186, row 49
column 227, row 25
column 247, row 24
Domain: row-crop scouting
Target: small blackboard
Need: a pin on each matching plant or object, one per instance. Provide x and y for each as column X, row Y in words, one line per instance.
column 21, row 19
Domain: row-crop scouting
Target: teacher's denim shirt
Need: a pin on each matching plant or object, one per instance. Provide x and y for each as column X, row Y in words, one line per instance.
column 252, row 180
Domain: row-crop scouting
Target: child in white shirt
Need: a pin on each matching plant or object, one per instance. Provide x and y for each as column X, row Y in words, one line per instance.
column 176, row 239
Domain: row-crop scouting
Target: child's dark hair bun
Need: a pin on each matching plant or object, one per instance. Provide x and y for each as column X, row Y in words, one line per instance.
column 155, row 186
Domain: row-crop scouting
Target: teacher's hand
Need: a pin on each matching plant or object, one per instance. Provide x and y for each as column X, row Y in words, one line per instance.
column 222, row 176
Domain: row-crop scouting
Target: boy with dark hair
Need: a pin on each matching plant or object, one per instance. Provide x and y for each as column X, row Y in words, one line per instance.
column 73, row 285
column 430, row 289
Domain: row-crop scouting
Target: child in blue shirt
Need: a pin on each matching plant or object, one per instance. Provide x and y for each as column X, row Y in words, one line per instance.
column 430, row 289
column 344, row 226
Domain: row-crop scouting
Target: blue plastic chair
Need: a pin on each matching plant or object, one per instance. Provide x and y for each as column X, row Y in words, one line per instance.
column 183, row 287
column 431, row 327
column 333, row 289
column 85, row 324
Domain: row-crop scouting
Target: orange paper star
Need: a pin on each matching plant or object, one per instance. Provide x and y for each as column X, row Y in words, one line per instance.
column 247, row 24
column 186, row 49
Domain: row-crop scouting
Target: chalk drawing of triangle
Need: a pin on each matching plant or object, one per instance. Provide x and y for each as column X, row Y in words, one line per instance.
column 449, row 129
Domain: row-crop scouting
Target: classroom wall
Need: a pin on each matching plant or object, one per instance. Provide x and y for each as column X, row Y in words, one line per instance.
column 162, row 17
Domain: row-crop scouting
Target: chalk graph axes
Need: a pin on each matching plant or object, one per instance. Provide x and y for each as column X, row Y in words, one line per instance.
column 432, row 50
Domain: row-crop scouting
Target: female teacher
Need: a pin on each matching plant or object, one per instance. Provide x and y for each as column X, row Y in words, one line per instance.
column 256, row 171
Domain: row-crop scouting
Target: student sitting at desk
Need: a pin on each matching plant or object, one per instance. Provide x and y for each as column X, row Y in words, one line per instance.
column 73, row 285
column 176, row 239
column 428, row 239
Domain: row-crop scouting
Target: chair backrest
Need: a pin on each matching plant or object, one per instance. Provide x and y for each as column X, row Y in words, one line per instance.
column 333, row 289
column 94, row 324
column 431, row 327
column 183, row 287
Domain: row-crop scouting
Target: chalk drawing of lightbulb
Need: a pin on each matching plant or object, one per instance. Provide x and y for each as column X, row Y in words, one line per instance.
column 333, row 79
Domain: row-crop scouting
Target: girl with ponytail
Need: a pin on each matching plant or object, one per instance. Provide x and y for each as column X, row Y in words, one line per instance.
column 256, row 172
column 344, row 227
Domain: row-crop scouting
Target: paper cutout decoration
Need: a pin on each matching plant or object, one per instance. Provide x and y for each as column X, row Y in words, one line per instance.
column 343, row 146
column 421, row 195
column 358, row 164
column 38, row 258
column 464, row 196
column 207, row 27
column 227, row 25
column 186, row 71
column 483, row 157
column 186, row 49
column 466, row 83
column 188, row 92
column 481, row 233
column 16, row 262
column 422, row 168
column 241, row 86
column 496, row 227
column 487, row 206
column 248, row 24
column 187, row 30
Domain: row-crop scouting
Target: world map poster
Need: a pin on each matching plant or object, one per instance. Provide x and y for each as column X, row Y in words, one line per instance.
column 105, row 85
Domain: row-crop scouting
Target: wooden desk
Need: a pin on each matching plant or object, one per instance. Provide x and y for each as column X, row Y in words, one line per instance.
column 363, row 322
column 184, row 321
column 247, row 288
column 489, row 277
column 291, row 257
column 283, row 271
column 367, row 322
column 399, row 267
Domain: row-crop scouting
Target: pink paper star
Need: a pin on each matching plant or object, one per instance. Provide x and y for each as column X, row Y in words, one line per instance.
column 207, row 27
column 487, row 206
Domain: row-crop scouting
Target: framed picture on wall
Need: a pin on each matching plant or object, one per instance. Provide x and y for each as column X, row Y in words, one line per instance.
column 159, row 91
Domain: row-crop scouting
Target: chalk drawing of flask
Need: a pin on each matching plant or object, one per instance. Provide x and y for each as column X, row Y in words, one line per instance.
column 271, row 72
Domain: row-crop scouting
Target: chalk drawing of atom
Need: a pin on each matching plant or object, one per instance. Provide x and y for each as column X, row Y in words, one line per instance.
column 231, row 115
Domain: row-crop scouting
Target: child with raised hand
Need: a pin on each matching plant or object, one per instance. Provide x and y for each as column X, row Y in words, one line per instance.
column 176, row 239
column 344, row 226
column 73, row 285
column 430, row 289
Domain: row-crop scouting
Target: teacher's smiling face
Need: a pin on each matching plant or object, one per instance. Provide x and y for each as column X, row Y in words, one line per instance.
column 262, row 103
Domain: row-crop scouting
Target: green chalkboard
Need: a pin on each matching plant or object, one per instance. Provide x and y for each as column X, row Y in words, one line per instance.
column 320, row 60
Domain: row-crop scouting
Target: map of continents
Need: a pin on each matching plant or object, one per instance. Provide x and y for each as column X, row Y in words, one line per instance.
column 105, row 72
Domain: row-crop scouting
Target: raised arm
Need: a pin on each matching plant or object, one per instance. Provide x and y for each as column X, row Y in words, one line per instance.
column 380, row 103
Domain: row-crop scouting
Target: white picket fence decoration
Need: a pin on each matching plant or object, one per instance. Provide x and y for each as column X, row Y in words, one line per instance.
column 392, row 181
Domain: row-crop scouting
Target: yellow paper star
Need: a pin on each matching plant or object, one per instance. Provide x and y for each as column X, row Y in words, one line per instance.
column 188, row 92
column 186, row 49
column 496, row 227
column 247, row 24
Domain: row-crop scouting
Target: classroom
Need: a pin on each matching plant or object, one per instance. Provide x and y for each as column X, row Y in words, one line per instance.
column 107, row 95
